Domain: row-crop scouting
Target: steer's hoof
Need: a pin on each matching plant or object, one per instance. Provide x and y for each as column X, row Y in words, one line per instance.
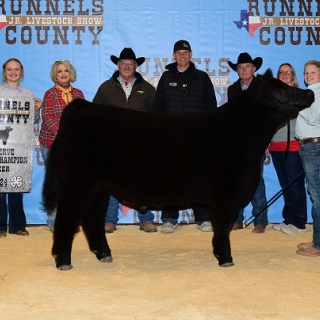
column 226, row 264
column 65, row 267
column 103, row 256
column 106, row 259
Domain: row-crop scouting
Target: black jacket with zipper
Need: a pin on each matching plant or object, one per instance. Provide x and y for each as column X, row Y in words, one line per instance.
column 188, row 91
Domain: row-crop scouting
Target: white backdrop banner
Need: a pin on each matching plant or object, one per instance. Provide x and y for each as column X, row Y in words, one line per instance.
column 39, row 32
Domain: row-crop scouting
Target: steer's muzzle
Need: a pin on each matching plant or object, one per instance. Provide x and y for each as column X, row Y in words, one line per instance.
column 303, row 98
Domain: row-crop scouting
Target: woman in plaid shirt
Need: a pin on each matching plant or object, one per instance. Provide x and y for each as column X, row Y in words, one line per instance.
column 54, row 101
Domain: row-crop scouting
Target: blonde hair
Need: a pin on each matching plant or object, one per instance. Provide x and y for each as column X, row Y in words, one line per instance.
column 4, row 79
column 294, row 74
column 68, row 65
column 312, row 62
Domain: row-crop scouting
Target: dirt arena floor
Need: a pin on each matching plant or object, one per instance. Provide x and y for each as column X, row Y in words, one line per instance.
column 157, row 276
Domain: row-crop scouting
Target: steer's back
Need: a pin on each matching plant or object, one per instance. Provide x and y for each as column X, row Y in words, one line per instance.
column 136, row 148
column 155, row 156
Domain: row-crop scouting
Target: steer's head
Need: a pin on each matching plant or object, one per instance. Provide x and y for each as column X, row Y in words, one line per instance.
column 287, row 101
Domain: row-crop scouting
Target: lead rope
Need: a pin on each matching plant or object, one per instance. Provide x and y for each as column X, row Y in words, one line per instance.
column 288, row 141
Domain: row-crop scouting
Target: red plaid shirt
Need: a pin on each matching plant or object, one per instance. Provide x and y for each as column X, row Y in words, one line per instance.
column 51, row 110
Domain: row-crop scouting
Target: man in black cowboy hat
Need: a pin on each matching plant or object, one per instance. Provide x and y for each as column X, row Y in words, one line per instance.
column 126, row 89
column 183, row 88
column 246, row 67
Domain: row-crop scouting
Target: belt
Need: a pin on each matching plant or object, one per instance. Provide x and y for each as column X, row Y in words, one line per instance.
column 308, row 140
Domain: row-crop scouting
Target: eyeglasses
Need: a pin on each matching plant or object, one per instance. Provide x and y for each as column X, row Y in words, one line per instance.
column 129, row 64
column 60, row 61
column 285, row 72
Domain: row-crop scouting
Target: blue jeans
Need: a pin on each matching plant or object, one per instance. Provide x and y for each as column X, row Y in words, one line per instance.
column 17, row 217
column 112, row 214
column 52, row 217
column 258, row 201
column 310, row 156
column 295, row 200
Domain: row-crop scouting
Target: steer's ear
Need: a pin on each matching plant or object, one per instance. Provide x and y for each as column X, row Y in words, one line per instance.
column 268, row 73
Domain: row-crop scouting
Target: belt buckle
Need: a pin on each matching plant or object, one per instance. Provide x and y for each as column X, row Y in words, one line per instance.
column 308, row 140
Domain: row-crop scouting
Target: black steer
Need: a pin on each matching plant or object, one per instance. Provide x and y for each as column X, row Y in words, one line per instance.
column 161, row 160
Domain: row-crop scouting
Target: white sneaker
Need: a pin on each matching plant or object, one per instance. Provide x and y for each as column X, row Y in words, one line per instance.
column 291, row 229
column 205, row 226
column 278, row 226
column 168, row 227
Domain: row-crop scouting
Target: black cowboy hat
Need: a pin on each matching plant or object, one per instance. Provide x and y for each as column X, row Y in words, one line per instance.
column 127, row 53
column 245, row 57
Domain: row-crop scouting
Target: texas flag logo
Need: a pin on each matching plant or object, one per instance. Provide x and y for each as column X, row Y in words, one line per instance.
column 250, row 23
column 124, row 210
column 3, row 22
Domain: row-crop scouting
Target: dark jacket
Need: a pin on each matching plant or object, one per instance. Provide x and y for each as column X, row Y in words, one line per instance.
column 111, row 93
column 189, row 91
column 235, row 88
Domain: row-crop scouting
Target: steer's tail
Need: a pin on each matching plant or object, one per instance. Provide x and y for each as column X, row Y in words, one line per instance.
column 49, row 187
